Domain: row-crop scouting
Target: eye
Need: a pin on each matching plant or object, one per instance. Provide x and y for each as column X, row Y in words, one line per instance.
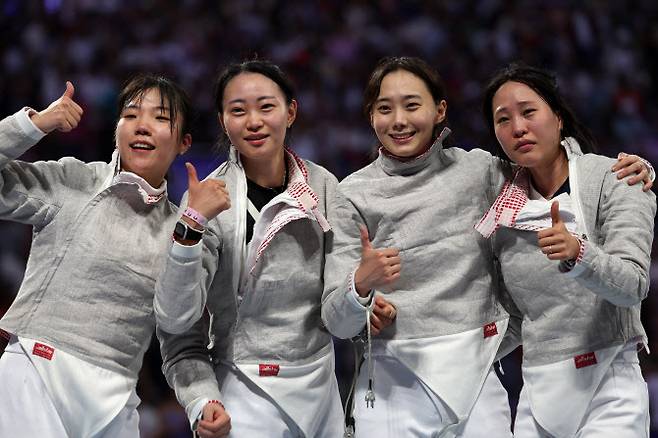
column 384, row 109
column 128, row 116
column 163, row 118
column 502, row 119
column 267, row 106
column 528, row 111
column 413, row 106
column 236, row 111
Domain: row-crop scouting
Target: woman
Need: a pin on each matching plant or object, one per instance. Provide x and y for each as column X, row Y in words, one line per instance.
column 258, row 271
column 564, row 220
column 403, row 228
column 84, row 312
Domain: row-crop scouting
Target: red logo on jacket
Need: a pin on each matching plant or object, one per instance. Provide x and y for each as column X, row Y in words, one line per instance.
column 268, row 369
column 42, row 350
column 585, row 360
column 490, row 330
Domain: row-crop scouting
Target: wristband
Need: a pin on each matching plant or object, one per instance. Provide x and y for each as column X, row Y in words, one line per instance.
column 195, row 216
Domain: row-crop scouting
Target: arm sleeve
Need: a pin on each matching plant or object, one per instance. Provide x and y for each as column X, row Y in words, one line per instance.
column 617, row 268
column 342, row 312
column 187, row 367
column 182, row 287
column 30, row 193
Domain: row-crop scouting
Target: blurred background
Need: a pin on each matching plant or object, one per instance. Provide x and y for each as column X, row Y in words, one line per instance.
column 605, row 54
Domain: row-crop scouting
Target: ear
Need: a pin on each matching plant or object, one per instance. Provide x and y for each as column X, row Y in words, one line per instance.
column 185, row 144
column 292, row 112
column 441, row 110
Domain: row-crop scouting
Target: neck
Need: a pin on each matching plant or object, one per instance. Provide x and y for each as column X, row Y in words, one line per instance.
column 548, row 178
column 269, row 172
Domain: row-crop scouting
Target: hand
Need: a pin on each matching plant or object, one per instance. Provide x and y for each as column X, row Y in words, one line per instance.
column 632, row 165
column 557, row 242
column 215, row 422
column 377, row 267
column 383, row 315
column 62, row 115
column 209, row 197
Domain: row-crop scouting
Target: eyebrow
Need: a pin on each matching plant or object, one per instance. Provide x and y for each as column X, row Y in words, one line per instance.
column 135, row 105
column 240, row 100
column 520, row 103
column 406, row 97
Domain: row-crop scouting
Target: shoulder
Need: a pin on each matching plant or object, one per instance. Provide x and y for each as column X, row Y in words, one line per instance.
column 316, row 171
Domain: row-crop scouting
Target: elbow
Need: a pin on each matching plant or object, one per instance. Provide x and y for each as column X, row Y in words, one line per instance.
column 175, row 323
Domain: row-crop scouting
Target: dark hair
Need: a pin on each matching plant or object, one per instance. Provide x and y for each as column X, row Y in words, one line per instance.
column 170, row 93
column 545, row 85
column 260, row 66
column 415, row 66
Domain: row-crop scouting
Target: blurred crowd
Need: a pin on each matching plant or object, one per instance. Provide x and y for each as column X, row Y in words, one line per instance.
column 605, row 55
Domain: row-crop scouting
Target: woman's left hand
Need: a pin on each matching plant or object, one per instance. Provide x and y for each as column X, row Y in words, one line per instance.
column 383, row 315
column 557, row 242
column 633, row 165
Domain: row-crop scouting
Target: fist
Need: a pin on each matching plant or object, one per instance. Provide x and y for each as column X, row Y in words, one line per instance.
column 209, row 197
column 215, row 422
column 378, row 267
column 62, row 115
column 383, row 315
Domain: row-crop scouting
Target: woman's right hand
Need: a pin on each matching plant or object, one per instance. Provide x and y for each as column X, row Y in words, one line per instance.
column 378, row 267
column 215, row 422
column 209, row 197
column 62, row 115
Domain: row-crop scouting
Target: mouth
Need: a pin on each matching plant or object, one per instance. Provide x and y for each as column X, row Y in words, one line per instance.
column 524, row 145
column 142, row 146
column 256, row 139
column 402, row 137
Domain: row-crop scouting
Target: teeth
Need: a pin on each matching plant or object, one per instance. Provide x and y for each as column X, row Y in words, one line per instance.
column 401, row 136
column 141, row 146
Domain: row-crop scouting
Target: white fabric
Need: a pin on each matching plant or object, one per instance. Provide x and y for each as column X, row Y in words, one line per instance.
column 406, row 407
column 453, row 366
column 27, row 125
column 25, row 406
column 609, row 399
column 301, row 392
column 253, row 211
column 28, row 408
column 449, row 370
column 85, row 409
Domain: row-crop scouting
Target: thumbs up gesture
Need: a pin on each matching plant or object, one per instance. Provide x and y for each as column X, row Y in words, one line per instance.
column 209, row 197
column 378, row 267
column 62, row 115
column 557, row 242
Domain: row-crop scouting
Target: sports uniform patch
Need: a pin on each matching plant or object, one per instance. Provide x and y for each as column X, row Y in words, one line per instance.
column 42, row 350
column 266, row 369
column 585, row 360
column 490, row 330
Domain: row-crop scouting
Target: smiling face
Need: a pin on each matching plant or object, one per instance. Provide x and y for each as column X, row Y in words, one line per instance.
column 404, row 114
column 255, row 115
column 146, row 141
column 525, row 125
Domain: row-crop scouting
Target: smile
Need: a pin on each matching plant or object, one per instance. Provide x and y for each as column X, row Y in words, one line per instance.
column 256, row 140
column 142, row 146
column 403, row 137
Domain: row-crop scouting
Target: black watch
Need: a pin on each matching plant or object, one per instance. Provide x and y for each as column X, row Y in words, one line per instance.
column 182, row 231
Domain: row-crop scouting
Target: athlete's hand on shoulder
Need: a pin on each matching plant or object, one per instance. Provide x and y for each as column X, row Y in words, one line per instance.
column 557, row 242
column 378, row 267
column 383, row 315
column 215, row 422
column 633, row 165
column 209, row 197
column 62, row 115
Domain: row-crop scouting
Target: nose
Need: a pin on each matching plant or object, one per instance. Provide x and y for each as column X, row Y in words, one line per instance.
column 254, row 122
column 399, row 120
column 519, row 127
column 142, row 127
